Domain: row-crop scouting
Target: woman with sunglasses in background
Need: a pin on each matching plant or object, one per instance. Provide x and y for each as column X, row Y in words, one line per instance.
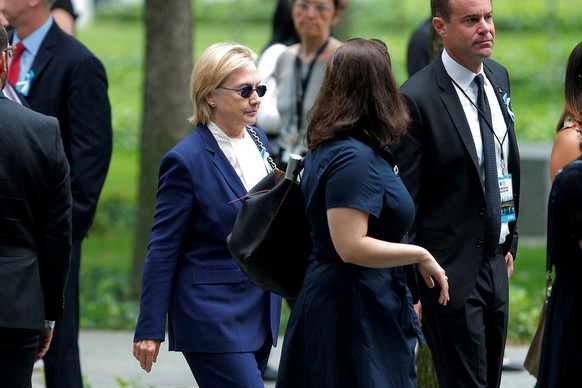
column 222, row 323
column 299, row 69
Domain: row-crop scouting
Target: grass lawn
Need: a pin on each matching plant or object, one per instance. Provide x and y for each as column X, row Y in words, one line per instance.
column 534, row 53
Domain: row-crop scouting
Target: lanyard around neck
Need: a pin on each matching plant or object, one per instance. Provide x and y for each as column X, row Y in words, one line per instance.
column 489, row 125
column 302, row 82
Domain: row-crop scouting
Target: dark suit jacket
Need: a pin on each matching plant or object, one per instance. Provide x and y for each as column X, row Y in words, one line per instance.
column 35, row 217
column 189, row 274
column 439, row 166
column 418, row 53
column 70, row 84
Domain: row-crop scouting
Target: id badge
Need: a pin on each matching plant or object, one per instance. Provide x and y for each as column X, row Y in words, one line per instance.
column 507, row 205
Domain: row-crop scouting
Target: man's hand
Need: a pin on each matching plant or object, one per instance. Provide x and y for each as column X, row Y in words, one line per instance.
column 46, row 335
column 509, row 262
column 418, row 311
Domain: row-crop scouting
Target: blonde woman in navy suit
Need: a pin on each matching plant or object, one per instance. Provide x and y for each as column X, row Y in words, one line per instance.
column 222, row 323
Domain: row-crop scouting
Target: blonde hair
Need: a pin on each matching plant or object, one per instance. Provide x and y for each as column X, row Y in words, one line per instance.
column 215, row 64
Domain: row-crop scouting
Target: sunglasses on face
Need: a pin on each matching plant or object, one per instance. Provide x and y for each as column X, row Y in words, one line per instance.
column 247, row 91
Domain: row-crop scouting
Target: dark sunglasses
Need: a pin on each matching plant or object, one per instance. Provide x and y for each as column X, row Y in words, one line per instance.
column 248, row 90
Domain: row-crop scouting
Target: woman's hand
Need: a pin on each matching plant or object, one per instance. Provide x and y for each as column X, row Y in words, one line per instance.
column 431, row 270
column 146, row 352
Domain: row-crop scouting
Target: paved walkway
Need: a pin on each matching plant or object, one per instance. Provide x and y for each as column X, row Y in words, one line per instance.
column 107, row 362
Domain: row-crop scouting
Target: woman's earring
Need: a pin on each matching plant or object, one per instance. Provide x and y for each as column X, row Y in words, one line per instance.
column 212, row 104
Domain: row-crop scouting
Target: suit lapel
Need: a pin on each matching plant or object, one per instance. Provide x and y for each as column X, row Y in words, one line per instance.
column 499, row 93
column 451, row 101
column 45, row 53
column 221, row 163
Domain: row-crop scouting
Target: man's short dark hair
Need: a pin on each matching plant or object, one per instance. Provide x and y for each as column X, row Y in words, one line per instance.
column 441, row 9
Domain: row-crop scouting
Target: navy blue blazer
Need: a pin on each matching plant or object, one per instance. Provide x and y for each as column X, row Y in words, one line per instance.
column 439, row 165
column 70, row 83
column 189, row 274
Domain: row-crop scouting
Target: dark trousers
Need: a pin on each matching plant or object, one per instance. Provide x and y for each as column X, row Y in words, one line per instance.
column 18, row 349
column 467, row 346
column 62, row 363
column 230, row 370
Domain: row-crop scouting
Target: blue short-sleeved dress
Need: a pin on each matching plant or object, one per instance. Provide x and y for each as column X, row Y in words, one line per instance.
column 561, row 355
column 351, row 326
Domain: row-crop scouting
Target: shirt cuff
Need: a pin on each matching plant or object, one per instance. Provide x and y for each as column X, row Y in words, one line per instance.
column 49, row 324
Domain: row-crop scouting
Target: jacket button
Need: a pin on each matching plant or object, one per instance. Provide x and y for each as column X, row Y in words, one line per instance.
column 482, row 211
column 479, row 243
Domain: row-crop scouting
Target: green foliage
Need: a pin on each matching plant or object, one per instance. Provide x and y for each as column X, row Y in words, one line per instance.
column 285, row 313
column 104, row 295
column 425, row 368
column 373, row 14
column 118, row 11
column 114, row 212
column 119, row 45
column 106, row 303
column 523, row 315
column 133, row 383
column 526, row 292
column 236, row 13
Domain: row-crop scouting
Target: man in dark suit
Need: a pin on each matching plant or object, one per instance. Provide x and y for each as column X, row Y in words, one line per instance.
column 35, row 233
column 59, row 77
column 450, row 147
column 418, row 53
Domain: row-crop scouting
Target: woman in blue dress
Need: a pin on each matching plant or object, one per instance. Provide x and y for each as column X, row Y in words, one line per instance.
column 353, row 324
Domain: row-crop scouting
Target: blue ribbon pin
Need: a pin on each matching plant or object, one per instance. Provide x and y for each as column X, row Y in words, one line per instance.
column 506, row 100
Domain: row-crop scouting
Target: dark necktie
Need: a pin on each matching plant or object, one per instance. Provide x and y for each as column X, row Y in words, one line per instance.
column 492, row 196
column 14, row 68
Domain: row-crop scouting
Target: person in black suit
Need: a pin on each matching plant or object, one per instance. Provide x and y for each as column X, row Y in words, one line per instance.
column 418, row 53
column 60, row 77
column 450, row 147
column 35, row 233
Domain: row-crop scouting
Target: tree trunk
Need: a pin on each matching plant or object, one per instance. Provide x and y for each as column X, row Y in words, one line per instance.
column 166, row 107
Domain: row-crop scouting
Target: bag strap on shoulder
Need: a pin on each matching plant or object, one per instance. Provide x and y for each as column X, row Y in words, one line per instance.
column 261, row 146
